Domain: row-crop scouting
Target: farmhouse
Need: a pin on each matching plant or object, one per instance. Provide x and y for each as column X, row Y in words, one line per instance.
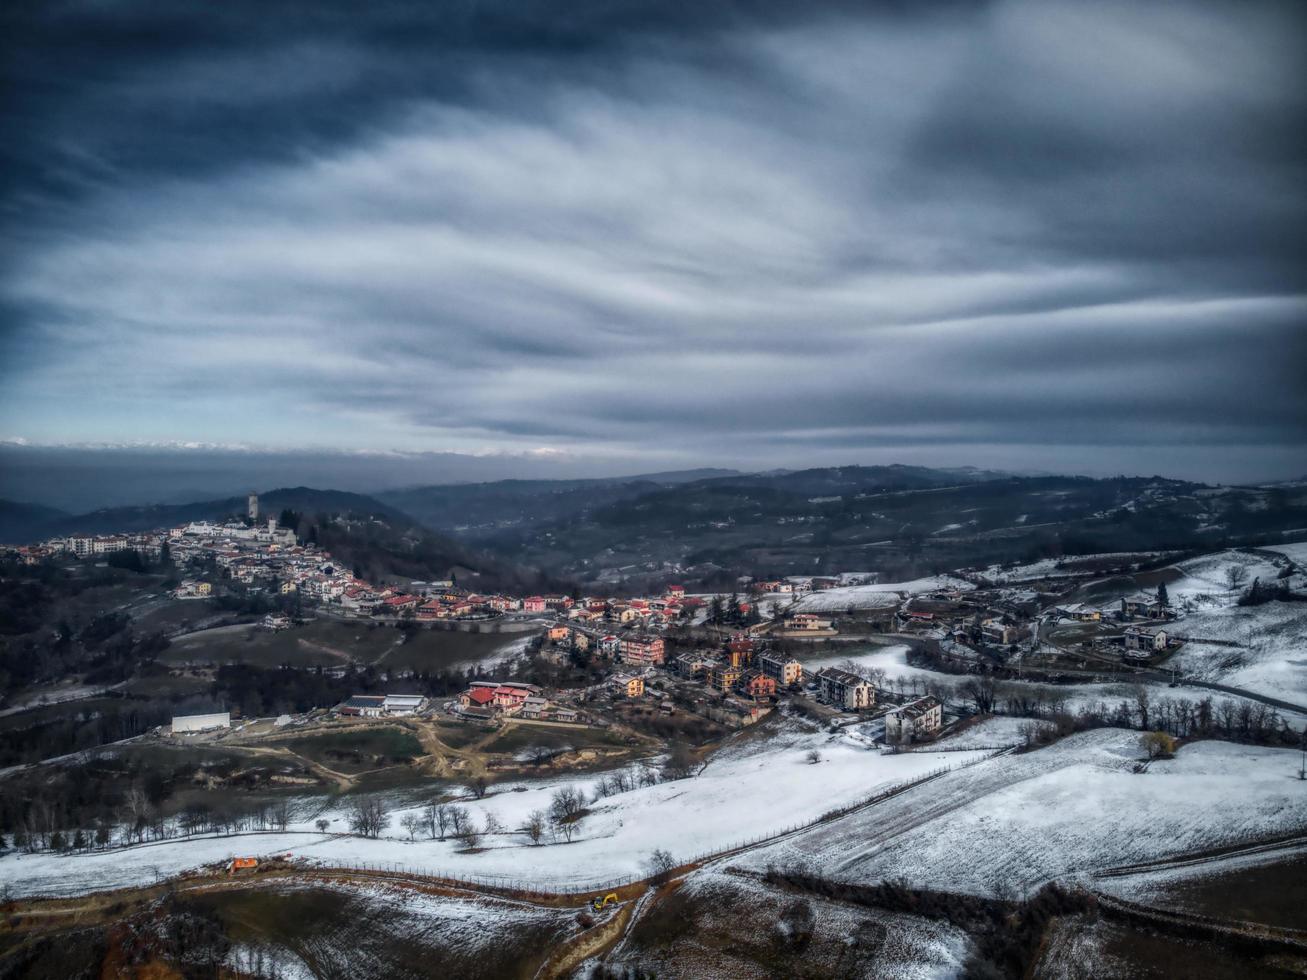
column 918, row 719
column 843, row 689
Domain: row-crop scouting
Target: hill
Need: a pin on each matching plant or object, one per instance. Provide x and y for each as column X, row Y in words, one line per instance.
column 903, row 522
column 484, row 507
column 18, row 519
column 361, row 531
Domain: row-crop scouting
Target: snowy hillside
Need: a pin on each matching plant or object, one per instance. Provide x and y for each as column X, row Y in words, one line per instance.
column 754, row 787
column 1014, row 822
column 1270, row 655
column 876, row 596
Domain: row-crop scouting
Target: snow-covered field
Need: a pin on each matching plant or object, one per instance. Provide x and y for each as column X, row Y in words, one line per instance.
column 757, row 786
column 1271, row 656
column 1013, row 822
column 1205, row 584
column 876, row 596
column 1070, row 567
column 891, row 659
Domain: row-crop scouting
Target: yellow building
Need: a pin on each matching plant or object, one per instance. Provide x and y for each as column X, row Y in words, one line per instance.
column 631, row 687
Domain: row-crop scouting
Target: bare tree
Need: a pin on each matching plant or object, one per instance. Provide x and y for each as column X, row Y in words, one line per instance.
column 459, row 821
column 493, row 824
column 1236, row 576
column 412, row 823
column 279, row 814
column 660, row 865
column 534, row 828
column 478, row 785
column 322, row 825
column 566, row 810
column 981, row 691
column 680, row 762
column 813, row 757
column 368, row 818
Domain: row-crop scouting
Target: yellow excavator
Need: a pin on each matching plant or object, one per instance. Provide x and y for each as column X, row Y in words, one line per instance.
column 599, row 904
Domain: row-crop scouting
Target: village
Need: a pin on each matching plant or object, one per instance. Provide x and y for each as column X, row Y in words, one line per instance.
column 728, row 659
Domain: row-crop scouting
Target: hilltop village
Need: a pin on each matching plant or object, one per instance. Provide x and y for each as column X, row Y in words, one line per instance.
column 726, row 659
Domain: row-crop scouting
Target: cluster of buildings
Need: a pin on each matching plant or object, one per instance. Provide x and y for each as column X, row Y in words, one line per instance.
column 148, row 544
column 743, row 667
column 492, row 699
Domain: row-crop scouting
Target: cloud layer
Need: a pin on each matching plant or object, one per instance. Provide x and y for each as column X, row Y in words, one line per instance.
column 1008, row 234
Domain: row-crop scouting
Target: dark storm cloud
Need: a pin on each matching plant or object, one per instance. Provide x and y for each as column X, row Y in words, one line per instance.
column 765, row 233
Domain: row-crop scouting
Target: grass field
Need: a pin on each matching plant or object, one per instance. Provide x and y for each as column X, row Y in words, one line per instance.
column 458, row 735
column 1273, row 894
column 358, row 751
column 322, row 643
column 515, row 738
column 327, row 643
column 437, row 649
column 173, row 615
column 167, row 685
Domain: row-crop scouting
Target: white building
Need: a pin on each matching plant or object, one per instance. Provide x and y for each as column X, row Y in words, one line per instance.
column 403, row 704
column 200, row 723
column 918, row 719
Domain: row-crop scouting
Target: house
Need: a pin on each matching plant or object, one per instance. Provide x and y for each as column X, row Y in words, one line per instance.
column 533, row 604
column 844, row 689
column 806, row 622
column 398, row 604
column 478, row 696
column 1143, row 607
column 739, row 652
column 1144, row 640
column 786, row 670
column 609, row 645
column 645, row 649
column 916, row 720
column 758, row 685
column 1079, row 612
column 566, row 715
column 998, row 632
column 628, row 687
column 676, row 591
column 693, row 664
column 534, row 707
column 723, row 677
column 403, row 704
column 558, row 634
column 509, row 699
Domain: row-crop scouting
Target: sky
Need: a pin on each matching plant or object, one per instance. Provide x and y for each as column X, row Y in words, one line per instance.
column 642, row 235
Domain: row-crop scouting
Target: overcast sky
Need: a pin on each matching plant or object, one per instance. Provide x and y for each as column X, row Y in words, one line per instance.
column 1031, row 235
